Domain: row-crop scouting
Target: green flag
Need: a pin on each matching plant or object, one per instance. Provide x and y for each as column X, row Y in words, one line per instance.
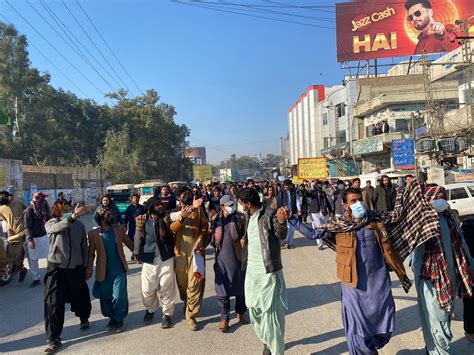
column 3, row 113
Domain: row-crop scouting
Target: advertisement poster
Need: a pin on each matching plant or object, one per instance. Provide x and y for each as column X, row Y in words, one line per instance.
column 403, row 154
column 371, row 29
column 202, row 172
column 312, row 168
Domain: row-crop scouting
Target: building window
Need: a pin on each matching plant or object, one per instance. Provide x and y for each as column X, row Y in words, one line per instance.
column 325, row 118
column 340, row 110
column 402, row 125
column 326, row 142
column 341, row 137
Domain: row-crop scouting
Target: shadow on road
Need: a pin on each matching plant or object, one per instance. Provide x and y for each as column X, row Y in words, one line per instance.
column 321, row 338
column 307, row 297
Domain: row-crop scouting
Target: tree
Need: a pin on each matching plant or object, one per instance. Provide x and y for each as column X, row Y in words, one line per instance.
column 134, row 139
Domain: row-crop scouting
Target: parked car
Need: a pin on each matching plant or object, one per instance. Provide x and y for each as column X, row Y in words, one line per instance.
column 461, row 198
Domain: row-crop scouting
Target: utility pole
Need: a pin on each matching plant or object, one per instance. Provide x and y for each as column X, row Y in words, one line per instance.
column 467, row 59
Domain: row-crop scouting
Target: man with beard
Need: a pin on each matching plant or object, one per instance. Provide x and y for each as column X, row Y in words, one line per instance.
column 320, row 209
column 265, row 288
column 384, row 195
column 190, row 230
column 106, row 202
column 36, row 215
column 110, row 286
column 434, row 37
column 154, row 246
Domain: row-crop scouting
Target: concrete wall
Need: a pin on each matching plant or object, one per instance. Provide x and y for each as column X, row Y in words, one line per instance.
column 11, row 176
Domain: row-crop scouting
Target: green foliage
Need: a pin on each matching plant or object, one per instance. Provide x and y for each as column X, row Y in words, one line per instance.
column 134, row 139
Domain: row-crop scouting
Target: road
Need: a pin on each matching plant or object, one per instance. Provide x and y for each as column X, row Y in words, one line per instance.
column 313, row 321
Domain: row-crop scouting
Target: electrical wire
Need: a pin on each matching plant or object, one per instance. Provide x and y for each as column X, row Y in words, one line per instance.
column 110, row 49
column 63, row 28
column 256, row 7
column 98, row 50
column 54, row 47
column 50, row 61
column 250, row 15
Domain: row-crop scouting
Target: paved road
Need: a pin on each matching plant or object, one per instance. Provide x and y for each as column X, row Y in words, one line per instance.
column 313, row 321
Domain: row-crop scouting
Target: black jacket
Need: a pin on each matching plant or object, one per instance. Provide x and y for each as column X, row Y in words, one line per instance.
column 145, row 243
column 292, row 205
column 34, row 226
column 319, row 202
column 271, row 232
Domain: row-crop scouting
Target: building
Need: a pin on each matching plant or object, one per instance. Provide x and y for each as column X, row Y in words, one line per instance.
column 392, row 102
column 339, row 128
column 196, row 154
column 303, row 124
column 354, row 124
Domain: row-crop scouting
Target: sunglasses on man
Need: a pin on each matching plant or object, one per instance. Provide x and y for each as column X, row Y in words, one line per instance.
column 417, row 13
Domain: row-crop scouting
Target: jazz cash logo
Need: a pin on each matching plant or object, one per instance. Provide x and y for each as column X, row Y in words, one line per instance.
column 381, row 40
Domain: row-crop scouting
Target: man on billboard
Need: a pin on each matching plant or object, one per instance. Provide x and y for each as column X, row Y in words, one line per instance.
column 434, row 37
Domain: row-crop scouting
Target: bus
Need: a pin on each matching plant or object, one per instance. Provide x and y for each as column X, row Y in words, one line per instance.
column 120, row 195
column 147, row 189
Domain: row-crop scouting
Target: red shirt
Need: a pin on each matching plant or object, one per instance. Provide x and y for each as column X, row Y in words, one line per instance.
column 436, row 44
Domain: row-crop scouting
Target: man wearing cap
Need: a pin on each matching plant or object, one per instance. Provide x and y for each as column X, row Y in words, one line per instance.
column 11, row 211
column 37, row 244
column 227, row 230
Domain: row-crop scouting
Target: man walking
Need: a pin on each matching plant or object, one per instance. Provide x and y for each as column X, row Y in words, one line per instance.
column 65, row 275
column 384, row 195
column 367, row 194
column 154, row 246
column 190, row 230
column 364, row 253
column 131, row 213
column 265, row 288
column 36, row 215
column 290, row 199
column 227, row 233
column 446, row 253
column 320, row 209
column 12, row 212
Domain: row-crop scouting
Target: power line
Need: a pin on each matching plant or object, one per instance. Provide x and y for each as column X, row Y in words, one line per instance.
column 262, row 9
column 60, row 24
column 57, row 51
column 110, row 49
column 312, row 8
column 250, row 15
column 98, row 50
column 50, row 61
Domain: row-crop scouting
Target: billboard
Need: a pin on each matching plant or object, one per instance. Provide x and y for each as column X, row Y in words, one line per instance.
column 403, row 154
column 202, row 172
column 312, row 168
column 371, row 29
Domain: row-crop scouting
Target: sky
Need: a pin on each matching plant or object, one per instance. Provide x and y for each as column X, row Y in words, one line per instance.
column 231, row 78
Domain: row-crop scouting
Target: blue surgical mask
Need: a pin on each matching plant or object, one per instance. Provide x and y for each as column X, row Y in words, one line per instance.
column 359, row 210
column 67, row 215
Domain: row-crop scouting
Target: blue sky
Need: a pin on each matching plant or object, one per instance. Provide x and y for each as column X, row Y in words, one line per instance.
column 231, row 78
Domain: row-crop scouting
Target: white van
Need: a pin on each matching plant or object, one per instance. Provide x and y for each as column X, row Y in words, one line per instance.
column 461, row 198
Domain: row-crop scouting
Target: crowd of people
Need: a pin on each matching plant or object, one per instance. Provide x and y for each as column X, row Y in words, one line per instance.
column 371, row 229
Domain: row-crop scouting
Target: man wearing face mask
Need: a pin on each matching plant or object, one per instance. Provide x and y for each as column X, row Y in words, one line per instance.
column 449, row 256
column 110, row 287
column 190, row 228
column 363, row 254
column 265, row 288
column 65, row 280
column 227, row 232
column 154, row 246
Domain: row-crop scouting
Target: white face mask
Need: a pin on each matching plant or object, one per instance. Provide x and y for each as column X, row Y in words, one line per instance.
column 440, row 205
column 230, row 209
column 341, row 187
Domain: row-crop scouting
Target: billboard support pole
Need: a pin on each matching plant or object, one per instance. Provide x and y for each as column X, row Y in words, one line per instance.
column 375, row 65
